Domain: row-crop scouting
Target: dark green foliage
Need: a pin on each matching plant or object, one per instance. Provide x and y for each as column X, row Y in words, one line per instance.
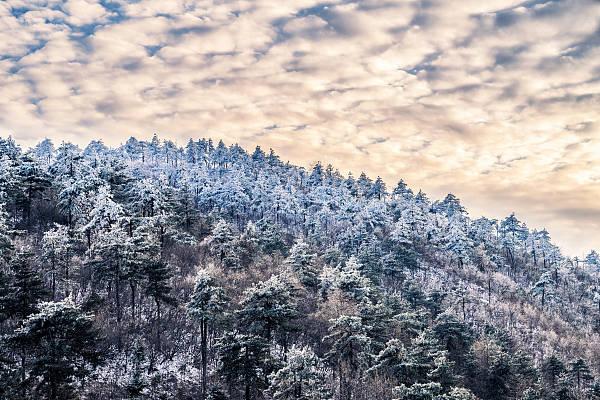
column 398, row 261
column 267, row 308
column 303, row 262
column 137, row 383
column 581, row 373
column 245, row 363
column 457, row 338
column 552, row 368
column 157, row 282
column 502, row 370
column 378, row 317
column 26, row 288
column 270, row 237
column 61, row 345
column 349, row 351
column 33, row 181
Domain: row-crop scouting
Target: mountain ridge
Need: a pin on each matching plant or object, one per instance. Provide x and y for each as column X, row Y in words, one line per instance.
column 150, row 234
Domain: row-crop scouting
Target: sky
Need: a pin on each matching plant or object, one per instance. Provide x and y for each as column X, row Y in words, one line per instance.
column 496, row 101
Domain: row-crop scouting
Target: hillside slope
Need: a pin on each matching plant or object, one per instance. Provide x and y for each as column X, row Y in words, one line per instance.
column 154, row 271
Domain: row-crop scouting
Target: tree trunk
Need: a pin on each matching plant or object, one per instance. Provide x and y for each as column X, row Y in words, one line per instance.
column 203, row 336
column 23, row 387
column 118, row 304
column 158, row 325
column 132, row 286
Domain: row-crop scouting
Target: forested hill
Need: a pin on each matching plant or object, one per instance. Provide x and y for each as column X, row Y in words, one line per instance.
column 209, row 272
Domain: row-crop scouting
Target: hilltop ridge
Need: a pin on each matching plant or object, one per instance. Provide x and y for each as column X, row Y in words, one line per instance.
column 207, row 271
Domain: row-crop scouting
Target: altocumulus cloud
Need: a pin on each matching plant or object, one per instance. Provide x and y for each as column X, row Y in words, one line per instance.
column 496, row 101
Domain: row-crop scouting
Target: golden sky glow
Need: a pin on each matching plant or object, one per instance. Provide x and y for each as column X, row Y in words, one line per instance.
column 496, row 101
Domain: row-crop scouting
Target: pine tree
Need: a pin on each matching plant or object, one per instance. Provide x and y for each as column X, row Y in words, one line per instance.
column 456, row 337
column 137, row 382
column 158, row 274
column 397, row 261
column 378, row 317
column 418, row 391
column 147, row 198
column 543, row 288
column 302, row 376
column 61, row 345
column 58, row 248
column 6, row 246
column 391, row 361
column 551, row 369
column 581, row 373
column 33, row 181
column 268, row 308
column 108, row 258
column 457, row 241
column 26, row 288
column 564, row 388
column 245, row 362
column 270, row 237
column 316, row 177
column 459, row 394
column 424, row 361
column 593, row 261
column 364, row 184
column 349, row 351
column 350, row 281
column 303, row 262
column 103, row 215
column 378, row 190
column 44, row 150
column 222, row 243
column 206, row 304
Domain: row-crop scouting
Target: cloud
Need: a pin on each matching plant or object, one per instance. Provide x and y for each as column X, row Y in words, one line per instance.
column 495, row 101
column 83, row 12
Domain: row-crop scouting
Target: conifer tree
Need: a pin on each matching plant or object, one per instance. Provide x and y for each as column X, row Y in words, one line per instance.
column 206, row 304
column 302, row 377
column 268, row 308
column 302, row 261
column 6, row 246
column 245, row 362
column 26, row 287
column 456, row 337
column 581, row 373
column 61, row 345
column 58, row 247
column 349, row 351
column 543, row 288
column 378, row 190
column 33, row 181
column 137, row 382
column 551, row 369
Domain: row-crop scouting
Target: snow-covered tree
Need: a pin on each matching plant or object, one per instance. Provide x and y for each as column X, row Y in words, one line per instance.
column 457, row 241
column 137, row 381
column 245, row 363
column 302, row 261
column 61, row 345
column 303, row 376
column 57, row 252
column 349, row 351
column 206, row 304
column 544, row 288
column 268, row 308
column 592, row 259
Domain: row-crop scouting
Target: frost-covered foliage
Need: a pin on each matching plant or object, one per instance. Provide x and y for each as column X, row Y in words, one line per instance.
column 156, row 271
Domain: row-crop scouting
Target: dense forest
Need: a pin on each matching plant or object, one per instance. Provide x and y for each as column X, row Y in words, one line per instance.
column 155, row 271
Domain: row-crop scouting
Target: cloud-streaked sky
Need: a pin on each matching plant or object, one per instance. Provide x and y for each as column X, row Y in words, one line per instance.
column 497, row 101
